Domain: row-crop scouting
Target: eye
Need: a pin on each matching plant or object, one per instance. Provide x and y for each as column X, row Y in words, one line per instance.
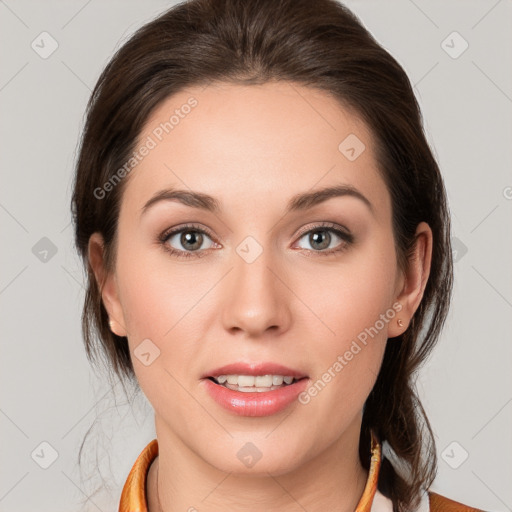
column 189, row 241
column 327, row 238
column 186, row 240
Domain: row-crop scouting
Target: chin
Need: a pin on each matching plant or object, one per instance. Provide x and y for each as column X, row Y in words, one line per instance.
column 256, row 456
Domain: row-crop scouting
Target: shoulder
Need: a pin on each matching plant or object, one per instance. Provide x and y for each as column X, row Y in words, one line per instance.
column 439, row 503
column 429, row 502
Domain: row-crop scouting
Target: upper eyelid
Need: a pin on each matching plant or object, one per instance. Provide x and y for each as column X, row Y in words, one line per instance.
column 173, row 231
column 328, row 226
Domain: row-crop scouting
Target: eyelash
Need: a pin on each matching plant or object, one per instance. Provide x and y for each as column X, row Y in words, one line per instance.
column 347, row 238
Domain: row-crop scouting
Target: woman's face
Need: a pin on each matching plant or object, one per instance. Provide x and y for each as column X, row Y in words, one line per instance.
column 265, row 277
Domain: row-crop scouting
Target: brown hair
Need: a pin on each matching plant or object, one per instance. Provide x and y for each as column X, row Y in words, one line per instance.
column 316, row 43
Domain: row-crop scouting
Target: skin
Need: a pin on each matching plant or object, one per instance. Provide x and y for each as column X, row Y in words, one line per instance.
column 253, row 148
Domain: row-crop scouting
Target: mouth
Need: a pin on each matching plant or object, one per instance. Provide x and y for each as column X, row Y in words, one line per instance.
column 255, row 395
column 254, row 377
column 255, row 383
column 260, row 390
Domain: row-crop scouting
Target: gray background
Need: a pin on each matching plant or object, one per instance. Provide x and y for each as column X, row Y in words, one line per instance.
column 49, row 394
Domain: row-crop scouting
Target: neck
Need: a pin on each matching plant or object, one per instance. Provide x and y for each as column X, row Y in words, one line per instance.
column 179, row 480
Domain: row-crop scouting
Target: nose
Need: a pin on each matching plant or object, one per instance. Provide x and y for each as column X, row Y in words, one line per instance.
column 256, row 298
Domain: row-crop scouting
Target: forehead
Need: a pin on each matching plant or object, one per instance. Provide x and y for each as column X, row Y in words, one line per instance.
column 241, row 142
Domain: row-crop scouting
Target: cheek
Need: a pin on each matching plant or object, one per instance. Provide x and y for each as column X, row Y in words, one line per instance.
column 350, row 297
column 155, row 306
column 154, row 294
column 353, row 312
column 158, row 306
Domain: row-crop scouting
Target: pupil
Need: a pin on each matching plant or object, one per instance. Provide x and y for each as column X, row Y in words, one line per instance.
column 189, row 237
column 314, row 239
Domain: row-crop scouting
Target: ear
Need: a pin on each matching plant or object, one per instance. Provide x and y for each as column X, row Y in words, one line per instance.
column 107, row 284
column 412, row 282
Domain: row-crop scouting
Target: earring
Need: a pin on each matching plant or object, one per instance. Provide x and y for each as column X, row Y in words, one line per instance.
column 400, row 323
column 110, row 324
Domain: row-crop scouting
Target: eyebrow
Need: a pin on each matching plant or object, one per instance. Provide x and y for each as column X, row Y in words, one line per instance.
column 299, row 202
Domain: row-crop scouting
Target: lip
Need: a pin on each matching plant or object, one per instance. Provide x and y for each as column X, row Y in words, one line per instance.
column 263, row 403
column 256, row 368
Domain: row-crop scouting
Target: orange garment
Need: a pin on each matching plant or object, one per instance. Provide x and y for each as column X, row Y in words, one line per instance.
column 133, row 496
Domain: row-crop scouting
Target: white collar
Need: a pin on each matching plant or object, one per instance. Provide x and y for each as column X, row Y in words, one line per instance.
column 383, row 504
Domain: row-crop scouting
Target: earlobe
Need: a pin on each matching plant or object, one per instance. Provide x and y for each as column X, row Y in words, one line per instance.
column 413, row 280
column 117, row 328
column 107, row 284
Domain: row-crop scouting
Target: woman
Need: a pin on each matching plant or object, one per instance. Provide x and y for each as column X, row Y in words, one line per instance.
column 267, row 241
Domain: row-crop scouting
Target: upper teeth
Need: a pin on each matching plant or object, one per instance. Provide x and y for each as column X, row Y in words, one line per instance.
column 251, row 380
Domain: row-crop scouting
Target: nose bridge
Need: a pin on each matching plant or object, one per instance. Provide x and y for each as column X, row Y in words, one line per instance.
column 256, row 299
